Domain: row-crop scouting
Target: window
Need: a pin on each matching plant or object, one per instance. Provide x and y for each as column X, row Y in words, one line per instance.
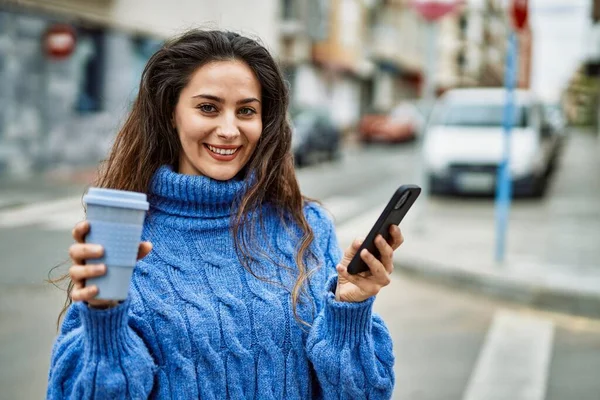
column 288, row 9
column 461, row 60
column 462, row 25
column 485, row 115
column 92, row 81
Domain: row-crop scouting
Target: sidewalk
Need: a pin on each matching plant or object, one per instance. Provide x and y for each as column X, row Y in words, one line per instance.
column 553, row 246
column 45, row 186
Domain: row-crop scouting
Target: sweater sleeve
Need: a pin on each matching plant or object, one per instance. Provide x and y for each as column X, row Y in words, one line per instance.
column 349, row 346
column 99, row 355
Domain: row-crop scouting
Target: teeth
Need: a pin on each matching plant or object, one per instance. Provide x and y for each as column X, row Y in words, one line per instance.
column 223, row 152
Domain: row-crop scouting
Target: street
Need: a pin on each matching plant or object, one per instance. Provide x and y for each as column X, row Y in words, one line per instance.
column 447, row 342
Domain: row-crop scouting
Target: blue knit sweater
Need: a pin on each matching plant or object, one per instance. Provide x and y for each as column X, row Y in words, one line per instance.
column 198, row 325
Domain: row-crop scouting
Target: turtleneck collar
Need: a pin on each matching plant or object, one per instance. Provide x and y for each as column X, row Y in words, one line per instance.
column 194, row 196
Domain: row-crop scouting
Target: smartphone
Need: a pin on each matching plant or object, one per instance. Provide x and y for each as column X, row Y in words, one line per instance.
column 393, row 213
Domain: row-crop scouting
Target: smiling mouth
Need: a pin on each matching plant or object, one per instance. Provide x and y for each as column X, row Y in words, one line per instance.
column 221, row 151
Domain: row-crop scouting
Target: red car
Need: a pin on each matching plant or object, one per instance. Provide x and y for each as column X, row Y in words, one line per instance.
column 402, row 124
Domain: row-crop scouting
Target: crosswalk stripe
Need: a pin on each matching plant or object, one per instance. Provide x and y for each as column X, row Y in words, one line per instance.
column 343, row 207
column 62, row 214
column 358, row 226
column 36, row 213
column 514, row 361
column 62, row 221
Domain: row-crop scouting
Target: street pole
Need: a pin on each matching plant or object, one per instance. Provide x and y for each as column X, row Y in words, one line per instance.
column 504, row 180
column 518, row 10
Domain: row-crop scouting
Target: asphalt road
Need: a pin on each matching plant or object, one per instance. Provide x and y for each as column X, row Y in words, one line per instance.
column 448, row 344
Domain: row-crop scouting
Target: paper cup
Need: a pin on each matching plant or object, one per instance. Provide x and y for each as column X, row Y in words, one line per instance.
column 116, row 220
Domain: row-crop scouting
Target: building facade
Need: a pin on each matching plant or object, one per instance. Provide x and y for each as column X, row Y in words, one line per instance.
column 64, row 111
column 345, row 56
column 344, row 71
column 396, row 47
column 581, row 98
column 473, row 46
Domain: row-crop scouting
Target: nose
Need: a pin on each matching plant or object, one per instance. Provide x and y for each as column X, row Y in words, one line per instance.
column 227, row 129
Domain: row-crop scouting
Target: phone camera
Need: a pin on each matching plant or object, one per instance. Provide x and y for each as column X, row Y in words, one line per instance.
column 402, row 200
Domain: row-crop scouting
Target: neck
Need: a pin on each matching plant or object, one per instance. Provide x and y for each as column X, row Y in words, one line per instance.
column 180, row 196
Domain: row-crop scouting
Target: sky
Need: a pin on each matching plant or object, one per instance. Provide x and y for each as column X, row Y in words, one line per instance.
column 561, row 32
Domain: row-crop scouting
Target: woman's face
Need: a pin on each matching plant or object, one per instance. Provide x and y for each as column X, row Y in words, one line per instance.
column 218, row 119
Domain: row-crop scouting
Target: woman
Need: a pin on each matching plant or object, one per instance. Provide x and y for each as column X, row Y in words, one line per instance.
column 241, row 290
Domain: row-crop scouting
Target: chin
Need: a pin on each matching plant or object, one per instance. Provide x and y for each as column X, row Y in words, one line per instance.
column 222, row 177
column 222, row 174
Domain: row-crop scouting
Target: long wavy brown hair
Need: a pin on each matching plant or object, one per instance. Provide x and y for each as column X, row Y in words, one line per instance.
column 148, row 140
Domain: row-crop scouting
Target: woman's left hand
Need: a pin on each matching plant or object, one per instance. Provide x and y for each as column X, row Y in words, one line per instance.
column 359, row 287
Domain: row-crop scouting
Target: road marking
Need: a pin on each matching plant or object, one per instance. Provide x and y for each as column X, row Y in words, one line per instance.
column 342, row 207
column 62, row 221
column 37, row 213
column 514, row 361
column 63, row 214
column 358, row 226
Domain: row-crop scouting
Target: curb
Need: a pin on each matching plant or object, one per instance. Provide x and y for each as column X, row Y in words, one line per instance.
column 47, row 186
column 12, row 205
column 533, row 294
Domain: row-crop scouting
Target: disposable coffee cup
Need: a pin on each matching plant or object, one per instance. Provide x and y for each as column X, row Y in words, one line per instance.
column 116, row 219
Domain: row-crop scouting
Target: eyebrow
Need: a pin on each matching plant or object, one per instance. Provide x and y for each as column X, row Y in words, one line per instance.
column 220, row 100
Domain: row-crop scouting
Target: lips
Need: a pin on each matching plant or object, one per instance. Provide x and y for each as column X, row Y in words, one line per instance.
column 222, row 153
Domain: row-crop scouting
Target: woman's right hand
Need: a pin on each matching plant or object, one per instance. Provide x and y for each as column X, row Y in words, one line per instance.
column 79, row 271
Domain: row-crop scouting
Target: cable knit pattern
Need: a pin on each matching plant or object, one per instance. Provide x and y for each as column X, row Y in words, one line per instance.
column 198, row 325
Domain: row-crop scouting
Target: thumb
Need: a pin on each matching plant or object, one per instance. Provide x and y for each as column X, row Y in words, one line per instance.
column 144, row 249
column 351, row 251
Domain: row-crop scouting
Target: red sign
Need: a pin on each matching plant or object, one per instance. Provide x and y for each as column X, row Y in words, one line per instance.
column 432, row 10
column 519, row 13
column 59, row 41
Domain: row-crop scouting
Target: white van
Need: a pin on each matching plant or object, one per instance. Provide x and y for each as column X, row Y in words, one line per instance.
column 464, row 142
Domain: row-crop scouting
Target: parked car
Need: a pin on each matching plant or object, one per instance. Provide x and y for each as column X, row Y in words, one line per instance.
column 556, row 117
column 557, row 120
column 314, row 137
column 463, row 145
column 402, row 124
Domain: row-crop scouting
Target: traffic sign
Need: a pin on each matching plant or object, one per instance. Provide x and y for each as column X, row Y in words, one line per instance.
column 432, row 10
column 519, row 12
column 59, row 41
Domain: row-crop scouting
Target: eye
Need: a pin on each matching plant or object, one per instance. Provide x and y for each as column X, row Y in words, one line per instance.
column 247, row 111
column 207, row 108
